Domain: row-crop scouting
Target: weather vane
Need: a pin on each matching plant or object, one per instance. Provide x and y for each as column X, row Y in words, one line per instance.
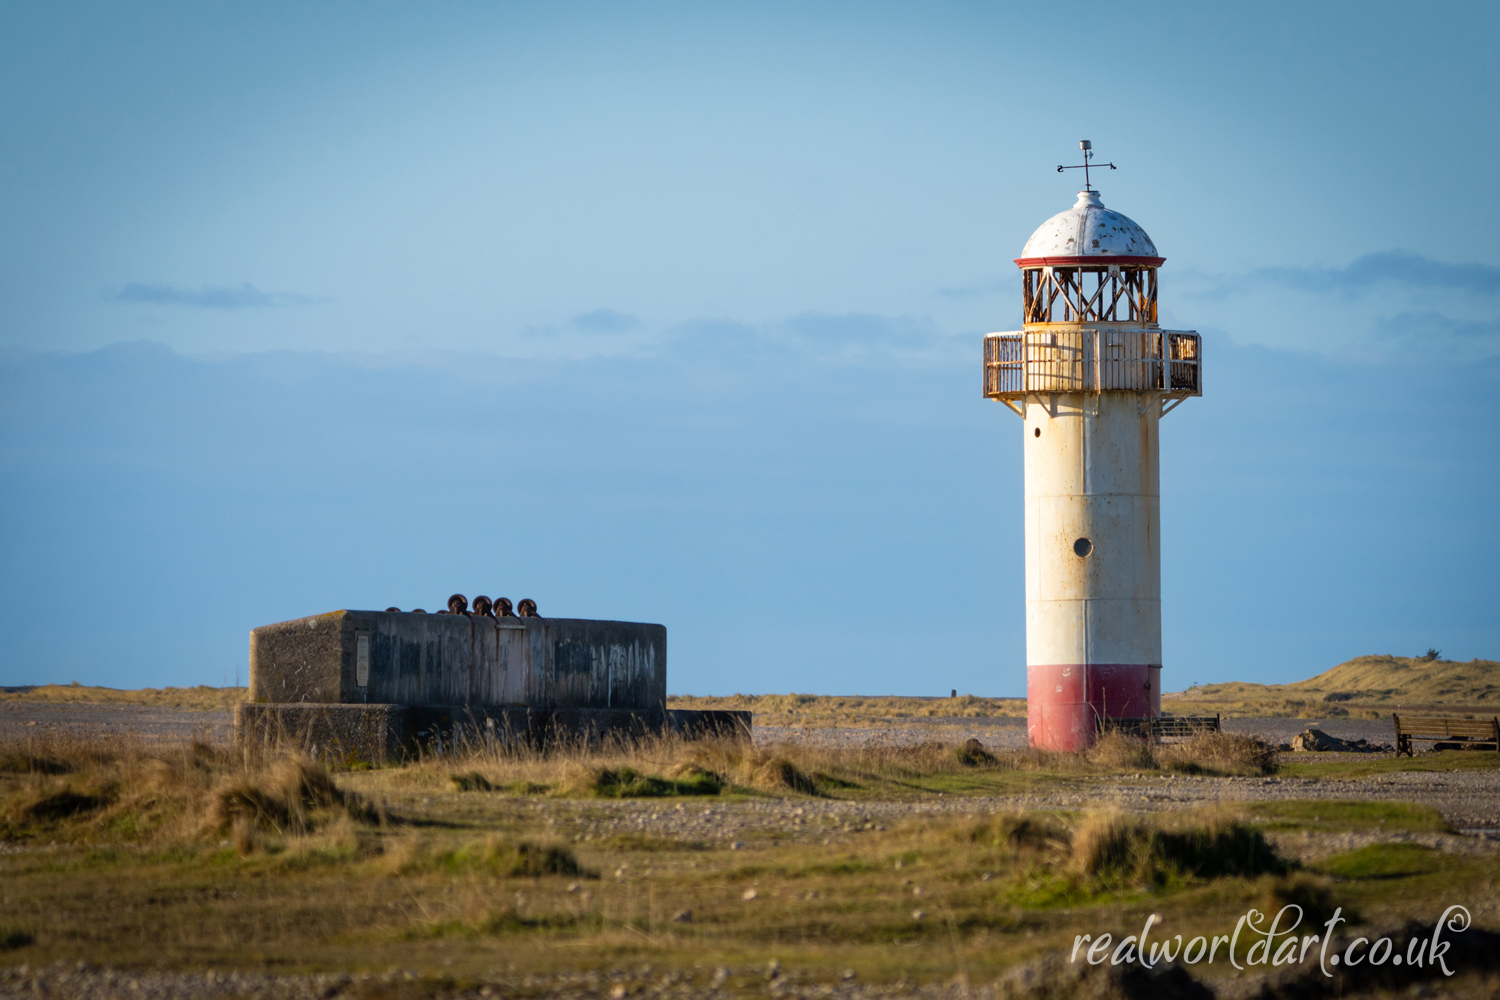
column 1088, row 154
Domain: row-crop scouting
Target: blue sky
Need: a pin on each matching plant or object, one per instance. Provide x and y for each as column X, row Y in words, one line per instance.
column 672, row 313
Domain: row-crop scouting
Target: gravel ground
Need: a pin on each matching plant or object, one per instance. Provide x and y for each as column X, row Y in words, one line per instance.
column 1468, row 799
column 89, row 983
column 1038, row 979
column 19, row 718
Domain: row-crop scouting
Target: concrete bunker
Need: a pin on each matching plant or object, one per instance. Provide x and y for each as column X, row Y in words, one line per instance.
column 375, row 686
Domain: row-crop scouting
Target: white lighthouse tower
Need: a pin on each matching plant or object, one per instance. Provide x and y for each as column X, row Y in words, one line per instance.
column 1090, row 376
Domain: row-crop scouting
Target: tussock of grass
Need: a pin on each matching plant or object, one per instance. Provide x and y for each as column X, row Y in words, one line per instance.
column 628, row 783
column 1313, row 894
column 1220, row 754
column 766, row 769
column 1217, row 754
column 1020, row 833
column 294, row 796
column 1120, row 751
column 130, row 791
column 471, row 782
column 16, row 761
column 973, row 754
column 1115, row 848
column 60, row 805
column 490, row 856
column 12, row 938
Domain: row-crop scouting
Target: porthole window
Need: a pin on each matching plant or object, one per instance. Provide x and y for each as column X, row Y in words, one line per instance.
column 1037, row 432
column 1083, row 547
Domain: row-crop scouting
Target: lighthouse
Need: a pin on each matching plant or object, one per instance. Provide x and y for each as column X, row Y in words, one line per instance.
column 1091, row 374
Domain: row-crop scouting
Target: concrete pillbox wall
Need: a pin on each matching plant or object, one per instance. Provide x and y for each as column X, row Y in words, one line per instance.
column 364, row 657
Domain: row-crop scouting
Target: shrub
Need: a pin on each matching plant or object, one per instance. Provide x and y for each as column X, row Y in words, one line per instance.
column 1222, row 754
column 492, row 856
column 1314, row 895
column 471, row 782
column 12, row 938
column 774, row 774
column 61, row 805
column 1121, row 750
column 628, row 783
column 1115, row 848
column 973, row 754
column 1019, row 833
column 740, row 763
column 292, row 798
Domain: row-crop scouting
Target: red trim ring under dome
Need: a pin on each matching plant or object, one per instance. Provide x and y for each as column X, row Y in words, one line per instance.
column 1095, row 260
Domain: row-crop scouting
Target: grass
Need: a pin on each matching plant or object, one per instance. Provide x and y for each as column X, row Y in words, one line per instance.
column 190, row 857
column 1368, row 686
column 1382, row 861
column 1332, row 815
column 1358, row 766
column 202, row 697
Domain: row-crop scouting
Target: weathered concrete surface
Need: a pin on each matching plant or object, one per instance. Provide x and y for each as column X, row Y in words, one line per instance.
column 1093, row 564
column 371, row 734
column 368, row 657
column 345, row 734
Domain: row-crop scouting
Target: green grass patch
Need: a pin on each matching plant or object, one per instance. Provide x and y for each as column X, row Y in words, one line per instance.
column 1359, row 767
column 473, row 781
column 1304, row 814
column 628, row 783
column 494, row 856
column 1381, row 861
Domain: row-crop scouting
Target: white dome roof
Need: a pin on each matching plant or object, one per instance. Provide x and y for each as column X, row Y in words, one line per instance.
column 1088, row 229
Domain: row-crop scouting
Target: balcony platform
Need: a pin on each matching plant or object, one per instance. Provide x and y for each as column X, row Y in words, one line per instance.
column 1064, row 357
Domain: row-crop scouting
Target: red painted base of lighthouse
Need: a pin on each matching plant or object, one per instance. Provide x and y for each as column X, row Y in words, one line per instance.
column 1065, row 700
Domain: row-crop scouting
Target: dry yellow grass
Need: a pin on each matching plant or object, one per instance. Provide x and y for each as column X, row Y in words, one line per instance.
column 464, row 884
column 202, row 697
column 1366, row 685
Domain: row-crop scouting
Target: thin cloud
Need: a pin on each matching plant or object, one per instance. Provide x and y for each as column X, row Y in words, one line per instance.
column 604, row 321
column 1388, row 267
column 860, row 331
column 974, row 291
column 246, row 296
column 1429, row 331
